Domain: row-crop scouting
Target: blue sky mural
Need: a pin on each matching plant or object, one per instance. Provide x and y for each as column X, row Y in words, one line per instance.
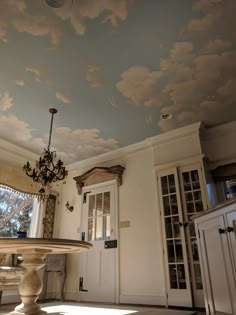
column 112, row 68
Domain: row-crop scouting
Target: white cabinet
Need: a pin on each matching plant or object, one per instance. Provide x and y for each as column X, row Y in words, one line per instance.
column 216, row 231
column 182, row 193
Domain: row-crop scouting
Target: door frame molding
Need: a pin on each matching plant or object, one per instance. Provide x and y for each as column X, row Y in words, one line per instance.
column 116, row 227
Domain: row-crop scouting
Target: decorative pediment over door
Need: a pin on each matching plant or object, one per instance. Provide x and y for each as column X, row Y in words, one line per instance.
column 98, row 175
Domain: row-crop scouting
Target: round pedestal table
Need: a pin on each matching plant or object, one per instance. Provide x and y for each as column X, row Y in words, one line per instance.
column 34, row 251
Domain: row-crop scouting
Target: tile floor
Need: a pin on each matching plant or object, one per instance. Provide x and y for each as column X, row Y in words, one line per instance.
column 72, row 308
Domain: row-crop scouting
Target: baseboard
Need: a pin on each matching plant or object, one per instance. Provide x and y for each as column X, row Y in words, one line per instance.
column 143, row 299
column 10, row 298
column 71, row 296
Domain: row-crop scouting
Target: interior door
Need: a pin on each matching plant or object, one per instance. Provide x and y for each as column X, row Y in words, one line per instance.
column 97, row 268
column 176, row 262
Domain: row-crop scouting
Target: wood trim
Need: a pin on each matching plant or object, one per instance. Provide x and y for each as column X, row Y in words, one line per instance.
column 98, row 175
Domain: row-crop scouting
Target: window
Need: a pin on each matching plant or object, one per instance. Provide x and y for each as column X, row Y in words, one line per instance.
column 16, row 211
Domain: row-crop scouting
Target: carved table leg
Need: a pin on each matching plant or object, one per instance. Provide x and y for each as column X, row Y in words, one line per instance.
column 31, row 284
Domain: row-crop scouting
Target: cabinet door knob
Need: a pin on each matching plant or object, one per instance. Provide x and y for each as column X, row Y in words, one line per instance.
column 221, row 231
column 180, row 224
column 230, row 229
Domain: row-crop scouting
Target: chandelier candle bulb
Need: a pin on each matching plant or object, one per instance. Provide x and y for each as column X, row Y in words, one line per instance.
column 47, row 170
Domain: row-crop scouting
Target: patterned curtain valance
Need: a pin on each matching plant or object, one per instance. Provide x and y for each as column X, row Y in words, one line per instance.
column 22, row 193
column 98, row 175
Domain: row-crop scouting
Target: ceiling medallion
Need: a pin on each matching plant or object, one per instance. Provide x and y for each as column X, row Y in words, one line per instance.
column 47, row 170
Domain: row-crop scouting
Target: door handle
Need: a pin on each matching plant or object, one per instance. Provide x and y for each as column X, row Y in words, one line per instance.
column 83, row 236
column 230, row 229
column 81, row 289
column 221, row 231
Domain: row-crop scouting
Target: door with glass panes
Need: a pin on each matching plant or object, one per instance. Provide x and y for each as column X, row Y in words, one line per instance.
column 181, row 196
column 97, row 267
column 194, row 200
column 176, row 261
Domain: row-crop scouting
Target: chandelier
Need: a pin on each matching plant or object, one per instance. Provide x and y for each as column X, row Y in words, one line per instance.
column 47, row 170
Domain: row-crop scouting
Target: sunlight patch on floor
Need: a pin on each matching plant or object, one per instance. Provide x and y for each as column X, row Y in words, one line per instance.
column 85, row 310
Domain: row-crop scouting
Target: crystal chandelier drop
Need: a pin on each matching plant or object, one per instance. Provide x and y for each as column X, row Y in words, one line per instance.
column 47, row 170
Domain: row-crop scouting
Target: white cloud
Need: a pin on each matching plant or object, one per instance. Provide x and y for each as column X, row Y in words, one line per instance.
column 216, row 46
column 142, row 86
column 40, row 75
column 197, row 80
column 6, row 101
column 20, row 82
column 64, row 97
column 79, row 144
column 13, row 14
column 111, row 10
column 217, row 19
column 94, row 76
column 13, row 128
column 71, row 145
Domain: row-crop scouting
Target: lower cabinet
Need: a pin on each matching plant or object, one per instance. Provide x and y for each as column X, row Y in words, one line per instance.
column 216, row 237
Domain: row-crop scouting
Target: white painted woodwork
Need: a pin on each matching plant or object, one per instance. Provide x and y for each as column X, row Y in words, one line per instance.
column 185, row 293
column 217, row 257
column 98, row 266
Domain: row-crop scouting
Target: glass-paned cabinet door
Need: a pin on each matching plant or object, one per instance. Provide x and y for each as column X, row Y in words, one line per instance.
column 194, row 201
column 177, row 273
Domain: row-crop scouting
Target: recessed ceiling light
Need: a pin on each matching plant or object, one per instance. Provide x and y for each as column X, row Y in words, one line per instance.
column 166, row 116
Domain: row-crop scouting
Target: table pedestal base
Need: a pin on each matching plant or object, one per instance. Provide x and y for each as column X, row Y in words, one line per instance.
column 31, row 284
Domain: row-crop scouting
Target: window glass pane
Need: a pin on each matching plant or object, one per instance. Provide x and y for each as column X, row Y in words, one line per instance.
column 91, row 229
column 174, row 205
column 107, row 227
column 189, row 197
column 169, row 233
column 15, row 212
column 179, row 251
column 164, row 185
column 171, row 251
column 186, row 181
column 107, row 202
column 195, row 250
column 99, row 207
column 194, row 176
column 190, row 207
column 91, row 211
column 198, row 278
column 181, row 276
column 173, row 276
column 99, row 228
column 166, row 205
column 176, row 226
column 171, row 179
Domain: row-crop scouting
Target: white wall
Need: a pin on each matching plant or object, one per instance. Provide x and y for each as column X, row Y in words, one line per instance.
column 141, row 265
column 142, row 278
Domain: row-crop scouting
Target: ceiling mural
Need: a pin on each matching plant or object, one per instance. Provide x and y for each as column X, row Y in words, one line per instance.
column 117, row 71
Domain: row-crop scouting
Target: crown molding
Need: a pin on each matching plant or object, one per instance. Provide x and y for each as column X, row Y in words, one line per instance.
column 14, row 155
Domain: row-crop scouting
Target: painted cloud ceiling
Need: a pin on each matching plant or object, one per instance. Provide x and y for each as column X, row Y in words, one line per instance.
column 111, row 68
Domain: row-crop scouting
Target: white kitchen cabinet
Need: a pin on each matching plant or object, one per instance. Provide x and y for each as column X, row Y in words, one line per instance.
column 216, row 231
column 182, row 193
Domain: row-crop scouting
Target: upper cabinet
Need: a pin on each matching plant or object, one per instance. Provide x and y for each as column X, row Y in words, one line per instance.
column 182, row 193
